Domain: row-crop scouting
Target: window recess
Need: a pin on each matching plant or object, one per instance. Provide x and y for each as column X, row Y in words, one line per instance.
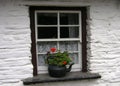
column 61, row 27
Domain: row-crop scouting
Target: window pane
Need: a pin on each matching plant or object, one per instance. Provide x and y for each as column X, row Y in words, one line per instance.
column 47, row 32
column 41, row 60
column 69, row 18
column 69, row 46
column 74, row 57
column 47, row 18
column 69, row 32
column 43, row 47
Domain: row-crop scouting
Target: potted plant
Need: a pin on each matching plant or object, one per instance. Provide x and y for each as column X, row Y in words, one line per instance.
column 57, row 62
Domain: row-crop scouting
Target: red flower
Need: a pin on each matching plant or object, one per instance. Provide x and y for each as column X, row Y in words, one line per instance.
column 53, row 49
column 64, row 62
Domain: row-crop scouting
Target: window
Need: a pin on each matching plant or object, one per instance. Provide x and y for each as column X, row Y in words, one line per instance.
column 60, row 27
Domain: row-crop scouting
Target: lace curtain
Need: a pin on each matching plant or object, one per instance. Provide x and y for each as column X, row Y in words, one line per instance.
column 43, row 47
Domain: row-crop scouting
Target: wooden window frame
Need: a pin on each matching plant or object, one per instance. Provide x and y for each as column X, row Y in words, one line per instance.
column 84, row 32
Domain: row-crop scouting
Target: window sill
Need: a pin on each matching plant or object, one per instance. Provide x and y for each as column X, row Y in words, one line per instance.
column 43, row 78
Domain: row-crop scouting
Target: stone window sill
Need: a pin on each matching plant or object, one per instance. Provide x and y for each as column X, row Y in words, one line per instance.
column 43, row 78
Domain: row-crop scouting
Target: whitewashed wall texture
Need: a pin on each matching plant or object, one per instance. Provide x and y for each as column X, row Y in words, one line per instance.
column 103, row 38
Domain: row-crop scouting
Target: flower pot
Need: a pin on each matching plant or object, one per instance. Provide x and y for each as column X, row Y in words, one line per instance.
column 57, row 71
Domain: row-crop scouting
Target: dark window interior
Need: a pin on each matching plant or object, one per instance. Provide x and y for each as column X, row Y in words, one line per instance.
column 64, row 32
column 47, row 32
column 69, row 19
column 69, row 32
column 46, row 18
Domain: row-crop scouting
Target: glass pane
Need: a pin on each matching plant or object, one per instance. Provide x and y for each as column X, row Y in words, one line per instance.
column 69, row 18
column 74, row 57
column 69, row 46
column 41, row 60
column 43, row 47
column 47, row 18
column 46, row 32
column 69, row 32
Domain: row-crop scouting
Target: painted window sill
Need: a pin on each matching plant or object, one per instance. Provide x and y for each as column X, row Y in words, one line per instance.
column 44, row 78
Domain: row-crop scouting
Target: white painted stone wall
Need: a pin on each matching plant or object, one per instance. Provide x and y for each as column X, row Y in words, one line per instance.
column 103, row 39
column 15, row 44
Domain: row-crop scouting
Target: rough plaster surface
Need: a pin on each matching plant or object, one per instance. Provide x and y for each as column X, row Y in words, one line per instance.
column 103, row 41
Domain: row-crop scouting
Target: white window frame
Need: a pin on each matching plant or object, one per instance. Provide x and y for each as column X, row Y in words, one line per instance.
column 76, row 67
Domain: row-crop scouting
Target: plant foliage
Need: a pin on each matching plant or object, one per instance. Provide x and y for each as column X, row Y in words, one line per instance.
column 57, row 58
